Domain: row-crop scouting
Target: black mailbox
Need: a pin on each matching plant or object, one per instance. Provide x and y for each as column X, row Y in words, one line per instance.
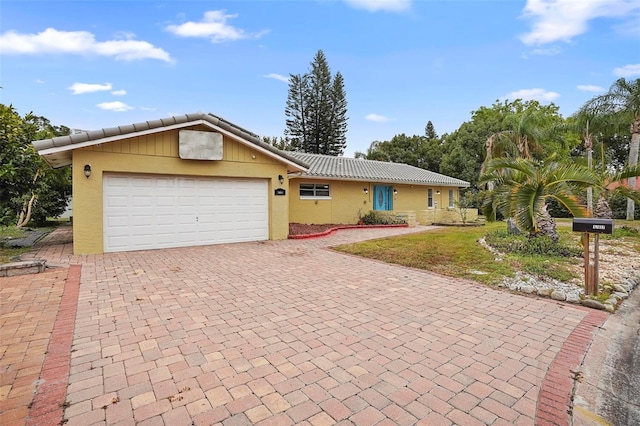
column 593, row 226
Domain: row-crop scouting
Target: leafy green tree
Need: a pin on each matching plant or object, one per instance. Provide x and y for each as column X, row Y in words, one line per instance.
column 622, row 104
column 420, row 151
column 400, row 149
column 29, row 187
column 462, row 152
column 316, row 110
column 524, row 186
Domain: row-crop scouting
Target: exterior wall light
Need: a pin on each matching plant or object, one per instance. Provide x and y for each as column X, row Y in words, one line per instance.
column 395, row 192
column 366, row 190
column 87, row 170
column 438, row 192
column 281, row 179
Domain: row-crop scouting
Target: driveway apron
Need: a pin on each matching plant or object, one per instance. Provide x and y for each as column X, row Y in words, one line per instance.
column 290, row 332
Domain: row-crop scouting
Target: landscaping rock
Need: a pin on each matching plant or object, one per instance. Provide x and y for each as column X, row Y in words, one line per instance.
column 573, row 297
column 621, row 294
column 620, row 289
column 528, row 289
column 590, row 303
column 558, row 295
column 546, row 292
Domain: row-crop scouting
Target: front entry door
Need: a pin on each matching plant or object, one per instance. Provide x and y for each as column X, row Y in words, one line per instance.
column 382, row 197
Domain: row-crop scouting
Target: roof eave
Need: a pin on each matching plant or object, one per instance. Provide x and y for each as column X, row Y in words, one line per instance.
column 60, row 156
column 381, row 180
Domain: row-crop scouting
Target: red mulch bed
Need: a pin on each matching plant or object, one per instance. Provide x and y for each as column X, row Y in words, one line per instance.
column 301, row 230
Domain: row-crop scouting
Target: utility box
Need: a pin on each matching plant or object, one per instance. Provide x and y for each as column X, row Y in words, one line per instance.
column 593, row 226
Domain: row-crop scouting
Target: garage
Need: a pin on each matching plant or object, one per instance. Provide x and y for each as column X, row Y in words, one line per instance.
column 149, row 212
column 186, row 180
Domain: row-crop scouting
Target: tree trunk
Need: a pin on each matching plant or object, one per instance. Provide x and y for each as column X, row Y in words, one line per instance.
column 633, row 160
column 25, row 214
column 546, row 224
column 603, row 209
column 588, row 144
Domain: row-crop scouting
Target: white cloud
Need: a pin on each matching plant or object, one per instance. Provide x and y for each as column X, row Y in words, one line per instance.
column 116, row 106
column 384, row 5
column 532, row 94
column 148, row 109
column 121, row 92
column 631, row 70
column 561, row 20
column 590, row 88
column 551, row 51
column 213, row 26
column 39, row 81
column 80, row 88
column 377, row 118
column 277, row 77
column 79, row 43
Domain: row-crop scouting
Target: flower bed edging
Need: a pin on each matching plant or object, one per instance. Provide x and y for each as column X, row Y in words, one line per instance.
column 332, row 230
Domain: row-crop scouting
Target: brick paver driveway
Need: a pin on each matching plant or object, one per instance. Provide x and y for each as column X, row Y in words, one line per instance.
column 289, row 332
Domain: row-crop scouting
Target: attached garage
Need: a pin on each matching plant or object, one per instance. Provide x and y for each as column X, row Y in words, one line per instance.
column 149, row 212
column 186, row 180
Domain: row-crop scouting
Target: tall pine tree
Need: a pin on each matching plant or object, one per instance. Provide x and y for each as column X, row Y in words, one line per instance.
column 316, row 110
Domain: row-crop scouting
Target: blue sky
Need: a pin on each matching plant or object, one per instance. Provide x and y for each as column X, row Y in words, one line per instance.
column 90, row 64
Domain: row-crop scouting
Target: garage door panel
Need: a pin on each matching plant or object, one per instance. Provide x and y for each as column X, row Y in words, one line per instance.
column 144, row 212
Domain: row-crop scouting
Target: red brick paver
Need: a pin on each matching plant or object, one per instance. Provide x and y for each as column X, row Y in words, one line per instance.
column 29, row 307
column 289, row 332
column 554, row 401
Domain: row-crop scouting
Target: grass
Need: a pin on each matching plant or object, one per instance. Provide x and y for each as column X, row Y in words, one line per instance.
column 448, row 251
column 455, row 252
column 8, row 233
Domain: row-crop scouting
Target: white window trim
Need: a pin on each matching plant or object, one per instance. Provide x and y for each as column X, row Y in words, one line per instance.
column 314, row 197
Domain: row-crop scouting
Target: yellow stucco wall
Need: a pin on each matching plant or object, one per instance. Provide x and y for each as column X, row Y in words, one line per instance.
column 158, row 154
column 348, row 200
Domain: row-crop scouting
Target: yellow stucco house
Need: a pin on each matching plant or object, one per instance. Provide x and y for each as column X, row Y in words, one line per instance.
column 198, row 179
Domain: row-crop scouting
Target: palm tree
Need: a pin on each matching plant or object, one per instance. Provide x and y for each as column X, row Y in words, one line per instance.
column 589, row 126
column 611, row 183
column 524, row 186
column 523, row 135
column 622, row 101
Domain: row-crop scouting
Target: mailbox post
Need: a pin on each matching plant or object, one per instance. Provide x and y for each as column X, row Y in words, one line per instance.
column 596, row 227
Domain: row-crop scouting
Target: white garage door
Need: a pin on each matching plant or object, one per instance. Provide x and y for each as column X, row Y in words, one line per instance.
column 149, row 212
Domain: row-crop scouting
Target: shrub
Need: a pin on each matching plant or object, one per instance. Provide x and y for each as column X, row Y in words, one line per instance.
column 376, row 218
column 523, row 244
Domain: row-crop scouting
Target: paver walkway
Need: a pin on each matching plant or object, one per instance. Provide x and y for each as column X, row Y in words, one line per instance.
column 288, row 332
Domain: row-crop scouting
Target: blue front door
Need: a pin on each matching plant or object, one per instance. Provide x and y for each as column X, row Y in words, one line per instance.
column 382, row 197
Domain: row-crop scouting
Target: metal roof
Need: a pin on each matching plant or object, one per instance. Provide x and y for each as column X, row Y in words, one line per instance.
column 343, row 168
column 57, row 151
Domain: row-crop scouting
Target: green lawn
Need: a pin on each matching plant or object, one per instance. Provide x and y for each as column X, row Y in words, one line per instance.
column 7, row 233
column 455, row 252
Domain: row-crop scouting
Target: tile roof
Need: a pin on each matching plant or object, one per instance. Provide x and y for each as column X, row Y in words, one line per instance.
column 327, row 166
column 57, row 151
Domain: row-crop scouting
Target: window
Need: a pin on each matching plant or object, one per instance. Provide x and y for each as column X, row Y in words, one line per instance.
column 451, row 198
column 430, row 198
column 314, row 190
